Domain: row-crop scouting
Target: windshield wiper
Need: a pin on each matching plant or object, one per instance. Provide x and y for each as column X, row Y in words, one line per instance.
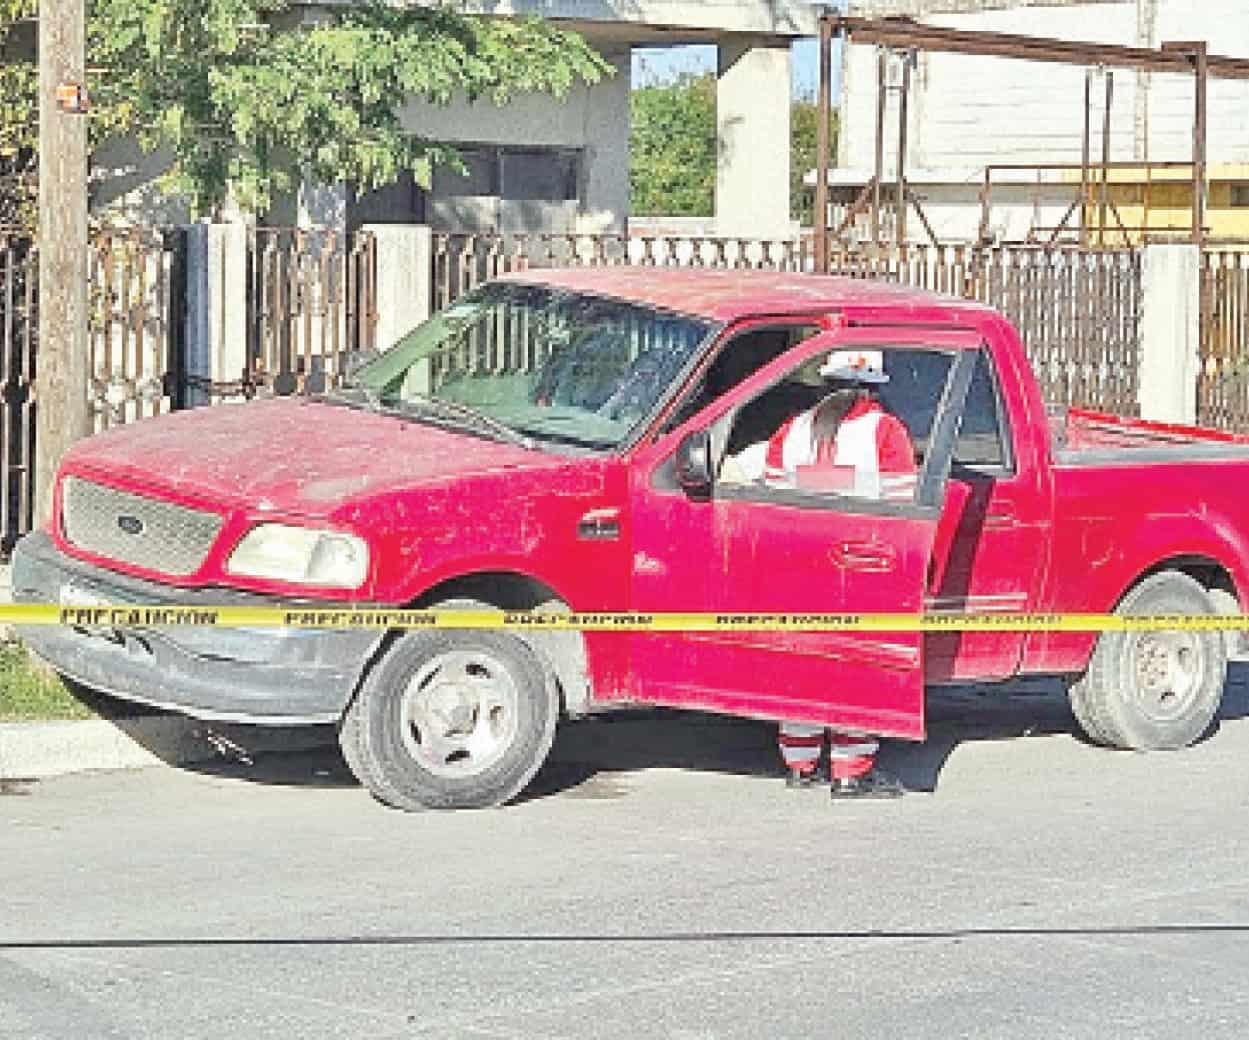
column 463, row 413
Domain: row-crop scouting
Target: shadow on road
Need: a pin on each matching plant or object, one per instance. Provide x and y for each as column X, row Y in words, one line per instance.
column 592, row 756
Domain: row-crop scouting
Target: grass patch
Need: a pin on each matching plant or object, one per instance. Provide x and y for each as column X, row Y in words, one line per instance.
column 29, row 692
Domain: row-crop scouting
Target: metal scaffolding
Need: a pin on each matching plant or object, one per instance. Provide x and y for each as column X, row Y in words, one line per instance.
column 909, row 37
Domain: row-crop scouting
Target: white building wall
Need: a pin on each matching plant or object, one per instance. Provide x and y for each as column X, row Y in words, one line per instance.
column 784, row 17
column 1225, row 23
column 594, row 120
column 976, row 110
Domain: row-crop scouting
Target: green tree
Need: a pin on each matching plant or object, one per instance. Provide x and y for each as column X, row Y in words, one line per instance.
column 673, row 149
column 672, row 164
column 248, row 100
column 804, row 121
column 19, row 127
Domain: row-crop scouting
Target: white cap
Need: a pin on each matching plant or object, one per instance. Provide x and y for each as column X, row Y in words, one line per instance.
column 859, row 366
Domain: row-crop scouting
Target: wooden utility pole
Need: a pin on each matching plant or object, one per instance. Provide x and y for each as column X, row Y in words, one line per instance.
column 61, row 361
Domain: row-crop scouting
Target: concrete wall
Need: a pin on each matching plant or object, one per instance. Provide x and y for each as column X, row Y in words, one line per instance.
column 926, row 8
column 124, row 185
column 592, row 120
column 785, row 17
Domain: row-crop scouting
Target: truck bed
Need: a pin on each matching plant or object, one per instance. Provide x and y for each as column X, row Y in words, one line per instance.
column 1085, row 438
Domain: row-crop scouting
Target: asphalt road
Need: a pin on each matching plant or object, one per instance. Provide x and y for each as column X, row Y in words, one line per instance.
column 659, row 882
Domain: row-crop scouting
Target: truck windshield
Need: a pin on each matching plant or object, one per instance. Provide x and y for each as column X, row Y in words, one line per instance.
column 546, row 363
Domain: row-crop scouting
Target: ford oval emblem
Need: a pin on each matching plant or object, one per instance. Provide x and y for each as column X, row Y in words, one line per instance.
column 130, row 524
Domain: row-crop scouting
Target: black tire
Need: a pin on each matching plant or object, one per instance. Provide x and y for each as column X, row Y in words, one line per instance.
column 1154, row 691
column 422, row 698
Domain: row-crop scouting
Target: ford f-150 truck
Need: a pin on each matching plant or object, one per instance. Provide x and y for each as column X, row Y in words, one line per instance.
column 568, row 441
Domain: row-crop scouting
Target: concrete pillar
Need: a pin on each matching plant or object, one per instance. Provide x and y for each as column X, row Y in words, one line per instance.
column 1170, row 332
column 404, row 272
column 605, row 198
column 752, row 116
column 216, row 314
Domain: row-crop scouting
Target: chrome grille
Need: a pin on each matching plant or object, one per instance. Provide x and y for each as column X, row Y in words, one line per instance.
column 144, row 532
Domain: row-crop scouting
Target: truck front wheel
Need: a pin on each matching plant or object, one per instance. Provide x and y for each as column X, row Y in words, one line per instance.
column 452, row 719
column 1154, row 691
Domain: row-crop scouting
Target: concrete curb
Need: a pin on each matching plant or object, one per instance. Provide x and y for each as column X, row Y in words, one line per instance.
column 32, row 750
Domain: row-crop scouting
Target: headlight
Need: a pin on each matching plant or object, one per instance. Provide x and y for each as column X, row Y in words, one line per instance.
column 302, row 555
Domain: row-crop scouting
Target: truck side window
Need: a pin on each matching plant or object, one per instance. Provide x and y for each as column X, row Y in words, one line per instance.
column 738, row 359
column 982, row 438
column 908, row 395
column 817, row 436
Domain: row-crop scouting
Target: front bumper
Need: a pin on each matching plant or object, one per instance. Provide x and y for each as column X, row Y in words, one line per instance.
column 277, row 676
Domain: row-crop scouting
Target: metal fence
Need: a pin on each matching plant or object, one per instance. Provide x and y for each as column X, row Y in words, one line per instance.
column 129, row 327
column 1077, row 310
column 312, row 300
column 462, row 261
column 19, row 267
column 1223, row 345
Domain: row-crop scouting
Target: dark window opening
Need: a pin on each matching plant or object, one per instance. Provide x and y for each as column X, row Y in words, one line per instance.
column 518, row 174
column 739, row 359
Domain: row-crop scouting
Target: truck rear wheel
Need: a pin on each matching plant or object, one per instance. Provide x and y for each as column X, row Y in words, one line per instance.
column 450, row 720
column 1154, row 691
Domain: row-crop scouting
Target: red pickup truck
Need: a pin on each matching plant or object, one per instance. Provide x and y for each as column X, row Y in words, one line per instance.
column 573, row 440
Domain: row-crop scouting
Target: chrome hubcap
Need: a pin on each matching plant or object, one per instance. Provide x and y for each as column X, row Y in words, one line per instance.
column 459, row 713
column 1169, row 668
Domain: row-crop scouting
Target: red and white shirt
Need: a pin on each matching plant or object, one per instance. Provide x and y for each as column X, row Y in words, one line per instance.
column 870, row 443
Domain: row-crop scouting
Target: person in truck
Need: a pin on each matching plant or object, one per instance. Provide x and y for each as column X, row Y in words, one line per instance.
column 849, row 441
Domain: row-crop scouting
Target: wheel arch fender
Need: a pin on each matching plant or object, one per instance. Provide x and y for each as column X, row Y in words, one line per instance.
column 1226, row 595
column 1203, row 546
column 563, row 653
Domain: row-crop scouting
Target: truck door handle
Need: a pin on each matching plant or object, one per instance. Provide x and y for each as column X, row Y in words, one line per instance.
column 864, row 556
column 1000, row 516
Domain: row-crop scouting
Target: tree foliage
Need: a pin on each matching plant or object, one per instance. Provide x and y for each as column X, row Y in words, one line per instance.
column 19, row 129
column 804, row 122
column 674, row 149
column 248, row 98
column 672, row 167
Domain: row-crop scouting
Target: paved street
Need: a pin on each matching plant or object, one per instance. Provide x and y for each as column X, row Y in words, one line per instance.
column 660, row 882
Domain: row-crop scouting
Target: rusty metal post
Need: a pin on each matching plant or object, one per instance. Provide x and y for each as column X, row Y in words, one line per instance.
column 882, row 98
column 822, row 145
column 985, row 189
column 1084, row 159
column 900, row 219
column 1201, row 75
column 1104, row 196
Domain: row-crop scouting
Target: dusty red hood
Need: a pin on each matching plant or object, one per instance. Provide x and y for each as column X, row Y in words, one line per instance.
column 292, row 455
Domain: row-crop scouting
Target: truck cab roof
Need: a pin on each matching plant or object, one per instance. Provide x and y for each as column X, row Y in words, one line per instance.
column 730, row 295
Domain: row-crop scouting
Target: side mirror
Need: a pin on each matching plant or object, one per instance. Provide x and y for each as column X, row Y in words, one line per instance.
column 693, row 464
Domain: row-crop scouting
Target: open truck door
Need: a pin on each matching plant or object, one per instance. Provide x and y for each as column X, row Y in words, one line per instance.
column 710, row 536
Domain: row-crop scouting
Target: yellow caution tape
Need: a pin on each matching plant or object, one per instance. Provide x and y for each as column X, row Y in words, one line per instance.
column 155, row 616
